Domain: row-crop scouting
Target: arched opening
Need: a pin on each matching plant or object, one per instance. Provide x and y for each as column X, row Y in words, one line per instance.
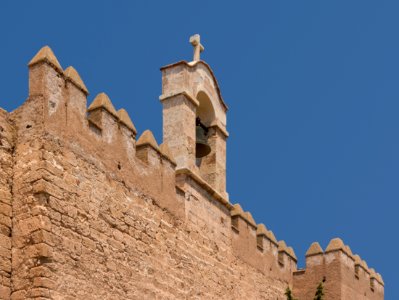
column 204, row 118
column 205, row 111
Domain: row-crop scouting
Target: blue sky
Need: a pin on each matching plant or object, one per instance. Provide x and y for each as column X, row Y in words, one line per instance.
column 312, row 88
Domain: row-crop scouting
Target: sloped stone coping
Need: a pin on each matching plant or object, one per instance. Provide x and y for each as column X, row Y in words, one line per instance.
column 216, row 195
column 184, row 93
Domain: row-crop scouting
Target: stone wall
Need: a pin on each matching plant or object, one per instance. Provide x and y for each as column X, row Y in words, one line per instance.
column 112, row 241
column 344, row 275
column 6, row 175
column 99, row 215
column 89, row 212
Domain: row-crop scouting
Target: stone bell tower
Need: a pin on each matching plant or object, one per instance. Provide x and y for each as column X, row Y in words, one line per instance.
column 190, row 91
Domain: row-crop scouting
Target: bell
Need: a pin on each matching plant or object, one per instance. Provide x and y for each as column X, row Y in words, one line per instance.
column 201, row 147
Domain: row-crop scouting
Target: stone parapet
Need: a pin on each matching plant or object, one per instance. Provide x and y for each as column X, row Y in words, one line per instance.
column 86, row 210
column 7, row 144
column 345, row 275
column 258, row 246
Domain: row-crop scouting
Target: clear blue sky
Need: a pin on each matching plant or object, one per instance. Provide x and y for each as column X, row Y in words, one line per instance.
column 312, row 87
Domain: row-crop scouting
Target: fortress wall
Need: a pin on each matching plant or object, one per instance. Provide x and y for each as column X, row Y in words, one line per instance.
column 98, row 214
column 6, row 174
column 203, row 211
column 345, row 276
column 259, row 248
column 32, row 264
column 111, row 240
column 30, row 225
column 359, row 282
column 319, row 267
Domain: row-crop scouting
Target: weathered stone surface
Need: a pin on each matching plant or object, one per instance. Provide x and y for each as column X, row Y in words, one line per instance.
column 147, row 138
column 73, row 75
column 7, row 141
column 335, row 244
column 125, row 119
column 314, row 249
column 345, row 275
column 46, row 54
column 86, row 212
column 166, row 152
column 102, row 101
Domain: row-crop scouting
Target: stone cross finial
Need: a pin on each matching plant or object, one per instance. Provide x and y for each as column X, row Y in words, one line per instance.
column 198, row 48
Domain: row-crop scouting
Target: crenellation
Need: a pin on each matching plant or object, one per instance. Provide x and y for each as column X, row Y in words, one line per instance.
column 376, row 282
column 87, row 211
column 75, row 93
column 348, row 251
column 261, row 236
column 359, row 266
column 314, row 249
column 127, row 141
column 47, row 82
column 291, row 254
column 373, row 279
column 258, row 246
column 147, row 139
column 340, row 269
column 147, row 149
column 282, row 250
column 237, row 212
column 73, row 76
column 286, row 256
column 244, row 241
column 267, row 243
column 335, row 244
column 115, row 128
column 249, row 218
column 46, row 55
column 103, row 101
column 102, row 114
column 379, row 279
column 125, row 120
column 272, row 238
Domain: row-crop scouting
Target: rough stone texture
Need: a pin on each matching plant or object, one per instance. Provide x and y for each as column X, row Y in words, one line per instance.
column 213, row 166
column 88, row 213
column 344, row 278
column 6, row 164
column 196, row 81
column 178, row 113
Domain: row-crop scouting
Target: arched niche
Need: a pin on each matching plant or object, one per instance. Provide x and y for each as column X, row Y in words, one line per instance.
column 205, row 110
column 206, row 113
column 195, row 79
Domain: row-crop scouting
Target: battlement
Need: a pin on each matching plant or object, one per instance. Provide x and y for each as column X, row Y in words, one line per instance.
column 89, row 191
column 341, row 271
column 258, row 246
column 100, row 126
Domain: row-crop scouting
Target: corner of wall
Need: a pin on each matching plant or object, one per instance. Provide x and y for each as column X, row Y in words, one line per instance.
column 345, row 275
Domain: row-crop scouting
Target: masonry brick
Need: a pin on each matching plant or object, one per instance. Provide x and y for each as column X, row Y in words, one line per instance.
column 88, row 212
